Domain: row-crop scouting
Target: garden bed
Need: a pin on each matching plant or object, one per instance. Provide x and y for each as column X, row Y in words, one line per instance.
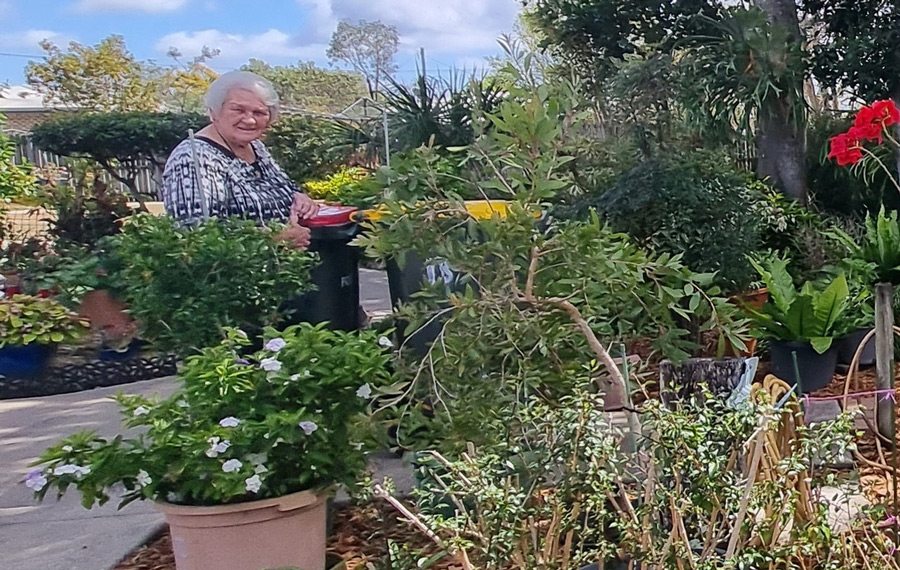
column 74, row 369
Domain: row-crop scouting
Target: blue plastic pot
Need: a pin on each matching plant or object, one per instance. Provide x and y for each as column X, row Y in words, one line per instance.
column 27, row 360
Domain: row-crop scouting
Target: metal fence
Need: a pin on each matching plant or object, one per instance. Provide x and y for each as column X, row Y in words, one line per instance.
column 27, row 151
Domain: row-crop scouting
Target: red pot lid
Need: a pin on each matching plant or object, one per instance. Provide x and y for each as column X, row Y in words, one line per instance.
column 331, row 216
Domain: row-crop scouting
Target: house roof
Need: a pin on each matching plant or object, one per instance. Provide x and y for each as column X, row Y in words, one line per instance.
column 21, row 98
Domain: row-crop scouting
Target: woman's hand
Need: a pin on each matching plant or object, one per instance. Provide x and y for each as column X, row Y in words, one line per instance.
column 303, row 207
column 296, row 236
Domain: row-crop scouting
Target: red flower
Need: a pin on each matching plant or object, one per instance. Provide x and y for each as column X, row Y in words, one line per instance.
column 886, row 112
column 865, row 116
column 846, row 148
column 867, row 132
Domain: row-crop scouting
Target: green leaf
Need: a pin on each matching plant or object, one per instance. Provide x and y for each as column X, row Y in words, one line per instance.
column 830, row 304
column 821, row 343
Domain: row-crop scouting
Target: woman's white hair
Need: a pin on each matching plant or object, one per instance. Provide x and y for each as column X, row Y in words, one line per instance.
column 218, row 91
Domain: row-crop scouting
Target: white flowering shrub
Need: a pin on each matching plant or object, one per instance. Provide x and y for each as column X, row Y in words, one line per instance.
column 241, row 427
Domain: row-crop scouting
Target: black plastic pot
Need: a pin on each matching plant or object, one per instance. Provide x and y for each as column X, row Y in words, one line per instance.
column 847, row 345
column 816, row 370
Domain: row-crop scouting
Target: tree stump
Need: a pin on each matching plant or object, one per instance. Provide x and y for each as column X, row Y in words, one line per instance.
column 685, row 382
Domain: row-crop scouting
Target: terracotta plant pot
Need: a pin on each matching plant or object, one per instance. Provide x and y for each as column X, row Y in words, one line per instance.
column 108, row 315
column 754, row 299
column 285, row 531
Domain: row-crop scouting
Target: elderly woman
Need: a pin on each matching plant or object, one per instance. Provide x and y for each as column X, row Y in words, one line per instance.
column 227, row 165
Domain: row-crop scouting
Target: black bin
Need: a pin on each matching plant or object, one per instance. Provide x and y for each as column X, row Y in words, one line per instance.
column 405, row 281
column 336, row 278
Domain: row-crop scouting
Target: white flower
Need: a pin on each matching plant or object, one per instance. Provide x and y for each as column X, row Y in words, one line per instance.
column 275, row 344
column 364, row 391
column 216, row 446
column 35, row 480
column 173, row 497
column 385, row 342
column 67, row 448
column 260, row 469
column 308, row 427
column 143, row 478
column 253, row 484
column 70, row 469
column 141, row 411
column 66, row 469
column 270, row 364
column 229, row 422
column 231, row 466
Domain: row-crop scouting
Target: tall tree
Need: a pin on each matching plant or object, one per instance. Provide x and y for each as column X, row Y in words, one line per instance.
column 369, row 47
column 594, row 36
column 105, row 77
column 856, row 46
column 183, row 84
column 310, row 87
column 738, row 64
column 781, row 139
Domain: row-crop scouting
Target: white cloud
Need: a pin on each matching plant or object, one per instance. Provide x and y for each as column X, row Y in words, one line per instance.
column 235, row 49
column 458, row 32
column 150, row 6
column 28, row 41
column 449, row 26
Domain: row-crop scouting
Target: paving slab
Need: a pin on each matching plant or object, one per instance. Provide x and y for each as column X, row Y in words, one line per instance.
column 62, row 535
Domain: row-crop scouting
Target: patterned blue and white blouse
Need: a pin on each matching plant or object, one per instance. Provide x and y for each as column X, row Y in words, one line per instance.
column 259, row 191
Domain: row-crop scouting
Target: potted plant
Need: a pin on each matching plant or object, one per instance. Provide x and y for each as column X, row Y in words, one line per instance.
column 229, row 271
column 857, row 321
column 30, row 329
column 242, row 458
column 79, row 280
column 801, row 323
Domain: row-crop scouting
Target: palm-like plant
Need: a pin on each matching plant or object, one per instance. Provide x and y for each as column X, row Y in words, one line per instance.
column 880, row 247
column 437, row 111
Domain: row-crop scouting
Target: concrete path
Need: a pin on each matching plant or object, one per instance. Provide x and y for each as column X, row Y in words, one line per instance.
column 62, row 535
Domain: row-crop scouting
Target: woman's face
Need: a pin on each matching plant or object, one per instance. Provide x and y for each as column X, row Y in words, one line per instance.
column 243, row 117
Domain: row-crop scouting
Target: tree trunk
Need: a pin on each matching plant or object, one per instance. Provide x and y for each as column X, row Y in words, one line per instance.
column 781, row 144
column 781, row 155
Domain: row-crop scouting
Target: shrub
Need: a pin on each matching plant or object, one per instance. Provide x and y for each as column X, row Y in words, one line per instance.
column 347, row 186
column 308, row 148
column 698, row 205
column 16, row 181
column 184, row 285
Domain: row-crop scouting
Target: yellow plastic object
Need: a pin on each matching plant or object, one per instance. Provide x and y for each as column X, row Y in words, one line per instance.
column 479, row 209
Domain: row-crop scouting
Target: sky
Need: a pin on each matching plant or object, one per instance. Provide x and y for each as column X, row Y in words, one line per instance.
column 454, row 33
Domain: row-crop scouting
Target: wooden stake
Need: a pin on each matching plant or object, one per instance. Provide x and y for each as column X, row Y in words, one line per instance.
column 884, row 355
